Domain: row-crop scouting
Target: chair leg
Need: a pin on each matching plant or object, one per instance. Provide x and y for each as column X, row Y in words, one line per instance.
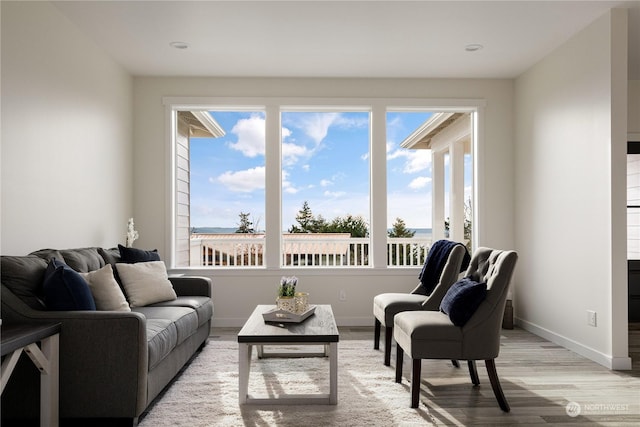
column 376, row 335
column 473, row 372
column 495, row 384
column 399, row 361
column 455, row 363
column 415, row 383
column 388, row 334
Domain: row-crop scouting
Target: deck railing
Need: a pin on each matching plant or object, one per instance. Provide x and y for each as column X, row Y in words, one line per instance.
column 304, row 250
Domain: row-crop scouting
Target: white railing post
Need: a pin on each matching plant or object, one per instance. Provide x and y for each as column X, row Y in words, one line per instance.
column 305, row 250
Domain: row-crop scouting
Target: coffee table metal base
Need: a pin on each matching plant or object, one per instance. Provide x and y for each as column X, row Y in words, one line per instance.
column 244, row 358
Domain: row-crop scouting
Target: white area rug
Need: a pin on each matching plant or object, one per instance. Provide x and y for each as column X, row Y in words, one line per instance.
column 206, row 394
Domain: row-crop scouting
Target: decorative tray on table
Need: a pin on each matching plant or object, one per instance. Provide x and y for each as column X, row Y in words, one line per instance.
column 279, row 315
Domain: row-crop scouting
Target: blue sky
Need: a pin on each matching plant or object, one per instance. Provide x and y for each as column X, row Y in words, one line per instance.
column 325, row 162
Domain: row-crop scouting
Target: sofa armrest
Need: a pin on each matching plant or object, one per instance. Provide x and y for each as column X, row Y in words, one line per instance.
column 191, row 285
column 96, row 347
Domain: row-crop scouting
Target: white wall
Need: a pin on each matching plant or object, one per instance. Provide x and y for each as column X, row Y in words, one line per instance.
column 634, row 108
column 570, row 193
column 237, row 293
column 67, row 129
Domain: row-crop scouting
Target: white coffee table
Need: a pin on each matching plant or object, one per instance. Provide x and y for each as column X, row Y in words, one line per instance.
column 320, row 328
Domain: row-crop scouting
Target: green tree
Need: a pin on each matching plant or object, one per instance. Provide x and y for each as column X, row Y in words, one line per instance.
column 246, row 225
column 399, row 229
column 305, row 220
column 402, row 253
column 356, row 226
column 318, row 225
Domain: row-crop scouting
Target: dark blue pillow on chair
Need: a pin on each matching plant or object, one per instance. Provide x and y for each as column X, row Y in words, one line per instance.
column 65, row 289
column 462, row 300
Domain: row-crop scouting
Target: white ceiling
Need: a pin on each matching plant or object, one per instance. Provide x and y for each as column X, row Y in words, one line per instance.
column 338, row 38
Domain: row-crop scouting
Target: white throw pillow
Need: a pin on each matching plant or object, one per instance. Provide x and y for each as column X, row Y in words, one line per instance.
column 146, row 282
column 105, row 290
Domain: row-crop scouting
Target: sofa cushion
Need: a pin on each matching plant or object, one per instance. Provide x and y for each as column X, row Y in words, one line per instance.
column 65, row 289
column 23, row 275
column 387, row 305
column 202, row 305
column 185, row 319
column 145, row 282
column 110, row 256
column 161, row 339
column 105, row 290
column 48, row 254
column 167, row 327
column 81, row 260
column 133, row 255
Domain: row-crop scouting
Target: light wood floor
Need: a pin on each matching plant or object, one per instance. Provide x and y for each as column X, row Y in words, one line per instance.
column 540, row 379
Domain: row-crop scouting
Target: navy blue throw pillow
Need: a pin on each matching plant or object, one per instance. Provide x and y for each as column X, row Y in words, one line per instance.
column 133, row 255
column 65, row 289
column 462, row 300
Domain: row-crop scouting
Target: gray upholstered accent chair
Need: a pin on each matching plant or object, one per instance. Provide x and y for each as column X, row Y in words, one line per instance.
column 432, row 334
column 387, row 305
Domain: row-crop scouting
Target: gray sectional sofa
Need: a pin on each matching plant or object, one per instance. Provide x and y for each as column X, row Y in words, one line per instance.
column 112, row 363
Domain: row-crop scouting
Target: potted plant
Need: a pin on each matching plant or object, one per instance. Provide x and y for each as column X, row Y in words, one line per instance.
column 286, row 293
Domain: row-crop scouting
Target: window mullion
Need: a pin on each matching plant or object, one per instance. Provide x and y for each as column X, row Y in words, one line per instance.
column 378, row 189
column 273, row 185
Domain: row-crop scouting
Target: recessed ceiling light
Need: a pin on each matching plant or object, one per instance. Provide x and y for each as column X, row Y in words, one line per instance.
column 473, row 47
column 179, row 45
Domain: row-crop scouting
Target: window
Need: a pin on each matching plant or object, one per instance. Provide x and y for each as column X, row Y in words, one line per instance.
column 633, row 200
column 408, row 189
column 221, row 188
column 429, row 182
column 325, row 188
column 317, row 183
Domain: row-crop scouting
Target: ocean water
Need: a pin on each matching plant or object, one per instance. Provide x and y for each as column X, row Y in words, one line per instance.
column 420, row 232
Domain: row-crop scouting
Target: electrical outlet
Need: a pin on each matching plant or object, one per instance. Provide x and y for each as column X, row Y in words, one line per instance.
column 592, row 319
column 342, row 295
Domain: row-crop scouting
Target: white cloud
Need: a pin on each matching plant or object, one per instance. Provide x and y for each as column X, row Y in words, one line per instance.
column 316, row 126
column 325, row 183
column 335, row 194
column 352, row 122
column 306, row 168
column 286, row 133
column 419, row 182
column 390, row 146
column 418, row 161
column 287, row 187
column 415, row 160
column 395, row 123
column 292, row 152
column 392, row 155
column 251, row 136
column 243, row 181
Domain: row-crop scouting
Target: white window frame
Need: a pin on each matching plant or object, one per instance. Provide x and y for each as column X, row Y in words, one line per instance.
column 272, row 106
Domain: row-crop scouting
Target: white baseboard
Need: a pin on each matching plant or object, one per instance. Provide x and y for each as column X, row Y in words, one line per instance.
column 614, row 363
